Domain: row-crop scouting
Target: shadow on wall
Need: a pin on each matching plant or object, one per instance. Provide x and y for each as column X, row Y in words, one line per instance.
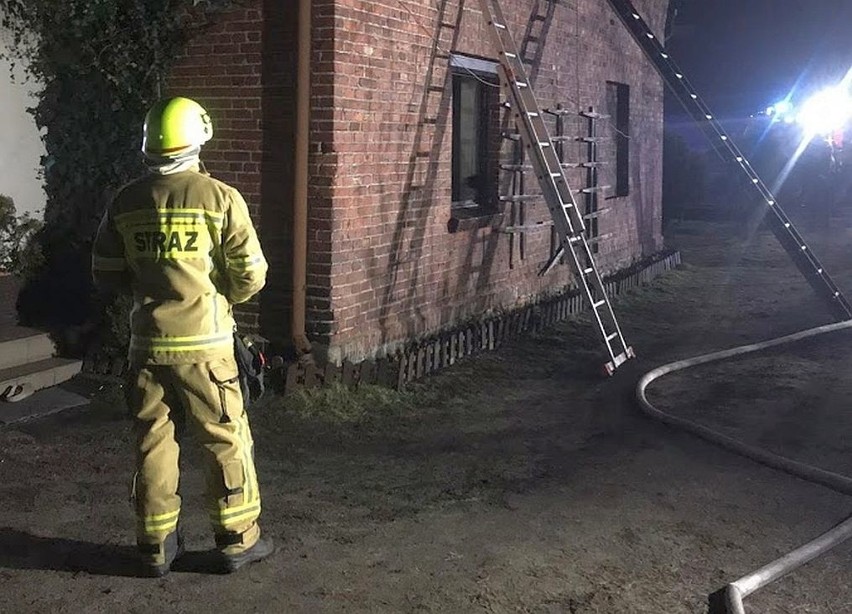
column 537, row 39
column 643, row 206
column 531, row 51
column 405, row 269
column 277, row 167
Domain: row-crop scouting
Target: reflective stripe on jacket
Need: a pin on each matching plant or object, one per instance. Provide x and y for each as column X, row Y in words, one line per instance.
column 184, row 245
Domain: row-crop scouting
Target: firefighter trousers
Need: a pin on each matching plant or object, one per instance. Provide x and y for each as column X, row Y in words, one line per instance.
column 204, row 399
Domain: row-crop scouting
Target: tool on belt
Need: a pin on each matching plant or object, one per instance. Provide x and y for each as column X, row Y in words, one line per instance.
column 251, row 363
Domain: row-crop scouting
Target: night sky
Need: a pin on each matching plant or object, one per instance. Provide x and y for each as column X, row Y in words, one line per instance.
column 743, row 55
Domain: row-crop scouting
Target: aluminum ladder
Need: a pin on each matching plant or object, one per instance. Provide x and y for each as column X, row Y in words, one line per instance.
column 790, row 239
column 567, row 219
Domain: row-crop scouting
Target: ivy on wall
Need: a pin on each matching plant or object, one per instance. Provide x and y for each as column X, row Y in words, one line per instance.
column 101, row 65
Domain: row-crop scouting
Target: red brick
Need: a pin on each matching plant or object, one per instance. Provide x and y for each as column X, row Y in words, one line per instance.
column 382, row 265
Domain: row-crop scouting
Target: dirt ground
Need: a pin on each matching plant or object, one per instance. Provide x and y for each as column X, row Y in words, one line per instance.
column 518, row 481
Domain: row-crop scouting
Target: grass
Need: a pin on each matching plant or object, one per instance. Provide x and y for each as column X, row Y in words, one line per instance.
column 340, row 405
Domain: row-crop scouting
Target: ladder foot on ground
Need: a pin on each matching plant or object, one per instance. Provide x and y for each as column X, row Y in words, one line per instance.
column 610, row 367
column 567, row 219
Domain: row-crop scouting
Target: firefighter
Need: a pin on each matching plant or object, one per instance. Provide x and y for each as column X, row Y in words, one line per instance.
column 841, row 155
column 183, row 245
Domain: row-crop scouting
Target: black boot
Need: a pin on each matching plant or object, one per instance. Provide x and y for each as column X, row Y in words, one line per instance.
column 157, row 559
column 261, row 549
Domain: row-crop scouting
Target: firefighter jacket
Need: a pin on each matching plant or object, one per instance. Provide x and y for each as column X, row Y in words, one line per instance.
column 184, row 246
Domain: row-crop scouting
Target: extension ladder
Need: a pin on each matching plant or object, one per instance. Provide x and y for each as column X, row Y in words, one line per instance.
column 567, row 219
column 782, row 227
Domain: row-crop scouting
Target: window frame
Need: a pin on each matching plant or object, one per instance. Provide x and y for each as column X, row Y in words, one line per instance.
column 620, row 129
column 484, row 74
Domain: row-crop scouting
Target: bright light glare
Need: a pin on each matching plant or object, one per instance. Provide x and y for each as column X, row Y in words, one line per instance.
column 825, row 111
column 782, row 108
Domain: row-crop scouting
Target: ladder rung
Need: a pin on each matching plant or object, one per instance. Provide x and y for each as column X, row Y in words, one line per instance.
column 612, row 336
column 624, row 356
column 510, row 55
column 559, row 112
column 498, row 25
column 599, row 304
column 593, row 115
column 521, row 84
column 588, row 270
column 610, row 367
column 519, row 198
column 583, row 164
column 598, row 239
column 527, row 227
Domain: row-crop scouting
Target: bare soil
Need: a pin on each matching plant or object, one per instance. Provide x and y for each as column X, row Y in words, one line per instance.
column 517, row 481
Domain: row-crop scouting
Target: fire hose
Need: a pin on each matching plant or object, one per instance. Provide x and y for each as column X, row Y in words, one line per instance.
column 729, row 600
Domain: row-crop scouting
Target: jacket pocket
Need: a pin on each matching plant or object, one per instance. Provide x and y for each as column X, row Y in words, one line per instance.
column 225, row 375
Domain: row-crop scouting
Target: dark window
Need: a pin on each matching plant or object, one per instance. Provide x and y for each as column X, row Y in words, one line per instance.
column 475, row 133
column 618, row 108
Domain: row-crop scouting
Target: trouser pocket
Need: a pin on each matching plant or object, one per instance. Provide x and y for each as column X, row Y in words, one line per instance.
column 225, row 375
column 233, row 482
column 237, row 508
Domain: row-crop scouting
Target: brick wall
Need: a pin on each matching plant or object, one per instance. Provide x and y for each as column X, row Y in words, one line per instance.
column 241, row 67
column 323, row 167
column 383, row 266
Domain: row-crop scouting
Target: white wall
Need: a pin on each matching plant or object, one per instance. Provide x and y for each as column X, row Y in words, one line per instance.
column 20, row 144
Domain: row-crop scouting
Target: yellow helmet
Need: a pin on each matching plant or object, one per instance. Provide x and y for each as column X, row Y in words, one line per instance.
column 174, row 126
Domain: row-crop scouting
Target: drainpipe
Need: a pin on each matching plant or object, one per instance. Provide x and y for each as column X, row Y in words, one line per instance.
column 300, row 193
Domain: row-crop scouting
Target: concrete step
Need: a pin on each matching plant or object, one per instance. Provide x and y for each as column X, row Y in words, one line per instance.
column 17, row 381
column 42, row 403
column 27, row 346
